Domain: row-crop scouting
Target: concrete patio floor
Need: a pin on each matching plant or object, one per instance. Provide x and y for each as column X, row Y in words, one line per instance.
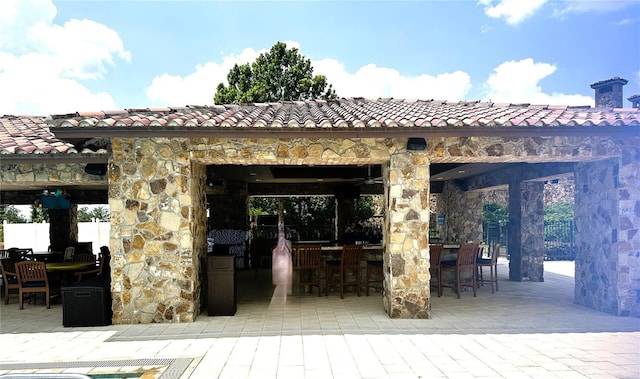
column 525, row 330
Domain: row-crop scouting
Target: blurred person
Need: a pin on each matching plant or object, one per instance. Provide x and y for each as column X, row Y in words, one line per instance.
column 281, row 268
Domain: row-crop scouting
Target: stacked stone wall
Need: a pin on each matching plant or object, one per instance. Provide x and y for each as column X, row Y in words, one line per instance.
column 154, row 228
column 596, row 220
column 628, row 285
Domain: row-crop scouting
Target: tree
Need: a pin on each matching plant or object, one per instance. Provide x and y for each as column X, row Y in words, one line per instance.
column 86, row 215
column 279, row 75
column 11, row 214
column 39, row 214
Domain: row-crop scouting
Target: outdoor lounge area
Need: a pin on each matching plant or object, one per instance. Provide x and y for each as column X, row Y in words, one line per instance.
column 526, row 330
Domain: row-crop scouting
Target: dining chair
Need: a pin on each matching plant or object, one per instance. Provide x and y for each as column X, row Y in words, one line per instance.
column 435, row 255
column 32, row 279
column 68, row 253
column 84, row 258
column 374, row 275
column 98, row 270
column 307, row 263
column 492, row 263
column 345, row 268
column 463, row 269
column 9, row 278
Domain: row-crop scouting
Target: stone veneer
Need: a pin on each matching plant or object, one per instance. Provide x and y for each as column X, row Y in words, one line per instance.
column 607, row 214
column 158, row 216
column 157, row 192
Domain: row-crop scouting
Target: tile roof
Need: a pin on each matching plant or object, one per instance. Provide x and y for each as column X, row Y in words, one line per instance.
column 34, row 135
column 352, row 113
column 29, row 135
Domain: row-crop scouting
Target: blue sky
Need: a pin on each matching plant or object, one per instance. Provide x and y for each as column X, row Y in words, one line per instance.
column 67, row 56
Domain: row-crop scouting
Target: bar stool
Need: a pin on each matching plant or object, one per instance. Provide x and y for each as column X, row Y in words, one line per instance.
column 374, row 275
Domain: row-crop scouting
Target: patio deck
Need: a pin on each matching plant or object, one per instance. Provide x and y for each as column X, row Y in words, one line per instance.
column 526, row 330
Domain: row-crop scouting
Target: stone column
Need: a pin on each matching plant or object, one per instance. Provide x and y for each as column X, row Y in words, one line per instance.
column 156, row 202
column 463, row 215
column 628, row 286
column 532, row 231
column 598, row 222
column 514, row 237
column 407, row 253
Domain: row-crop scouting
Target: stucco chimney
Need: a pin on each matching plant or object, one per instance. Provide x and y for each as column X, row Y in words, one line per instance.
column 635, row 101
column 609, row 92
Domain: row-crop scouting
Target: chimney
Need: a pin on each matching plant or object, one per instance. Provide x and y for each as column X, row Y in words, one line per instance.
column 609, row 92
column 635, row 101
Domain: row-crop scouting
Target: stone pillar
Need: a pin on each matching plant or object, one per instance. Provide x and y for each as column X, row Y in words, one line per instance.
column 463, row 214
column 407, row 292
column 532, row 231
column 628, row 286
column 229, row 210
column 156, row 199
column 607, row 217
column 63, row 227
column 514, row 237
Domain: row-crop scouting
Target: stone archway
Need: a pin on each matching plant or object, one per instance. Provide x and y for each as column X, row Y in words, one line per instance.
column 157, row 200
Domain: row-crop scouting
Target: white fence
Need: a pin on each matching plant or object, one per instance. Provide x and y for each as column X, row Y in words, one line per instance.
column 36, row 236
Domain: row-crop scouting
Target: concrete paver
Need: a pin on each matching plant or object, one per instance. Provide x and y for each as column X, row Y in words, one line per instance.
column 525, row 330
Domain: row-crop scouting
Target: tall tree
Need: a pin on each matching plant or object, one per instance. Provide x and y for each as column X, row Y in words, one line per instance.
column 279, row 75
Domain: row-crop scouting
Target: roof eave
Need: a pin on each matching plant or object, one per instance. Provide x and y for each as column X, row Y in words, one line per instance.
column 80, row 158
column 399, row 132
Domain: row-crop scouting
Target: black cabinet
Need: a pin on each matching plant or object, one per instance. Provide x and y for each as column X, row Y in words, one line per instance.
column 221, row 287
column 87, row 304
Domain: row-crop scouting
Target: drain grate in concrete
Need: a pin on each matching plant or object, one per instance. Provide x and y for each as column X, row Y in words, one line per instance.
column 175, row 367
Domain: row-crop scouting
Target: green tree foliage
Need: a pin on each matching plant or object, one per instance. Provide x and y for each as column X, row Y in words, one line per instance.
column 87, row 215
column 558, row 212
column 39, row 214
column 10, row 214
column 495, row 213
column 279, row 75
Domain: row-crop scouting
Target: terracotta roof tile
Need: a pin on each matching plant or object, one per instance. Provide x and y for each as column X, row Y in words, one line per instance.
column 33, row 134
column 29, row 134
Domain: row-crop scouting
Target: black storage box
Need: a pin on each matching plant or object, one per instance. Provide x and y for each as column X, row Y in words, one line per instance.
column 87, row 303
column 221, row 288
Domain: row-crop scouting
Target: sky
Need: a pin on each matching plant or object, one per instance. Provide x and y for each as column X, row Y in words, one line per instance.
column 66, row 56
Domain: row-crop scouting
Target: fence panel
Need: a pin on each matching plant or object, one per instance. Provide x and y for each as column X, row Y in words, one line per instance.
column 558, row 240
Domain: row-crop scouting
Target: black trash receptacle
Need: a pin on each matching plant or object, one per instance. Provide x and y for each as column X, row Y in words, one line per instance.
column 221, row 288
column 87, row 303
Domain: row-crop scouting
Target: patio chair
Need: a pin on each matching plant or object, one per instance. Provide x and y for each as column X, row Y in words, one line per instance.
column 93, row 272
column 32, row 279
column 348, row 266
column 435, row 254
column 307, row 263
column 463, row 269
column 9, row 278
column 492, row 263
column 84, row 258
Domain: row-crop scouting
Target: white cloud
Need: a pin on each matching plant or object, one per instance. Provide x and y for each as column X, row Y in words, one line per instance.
column 43, row 63
column 518, row 82
column 368, row 81
column 582, row 6
column 371, row 81
column 512, row 11
column 188, row 90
